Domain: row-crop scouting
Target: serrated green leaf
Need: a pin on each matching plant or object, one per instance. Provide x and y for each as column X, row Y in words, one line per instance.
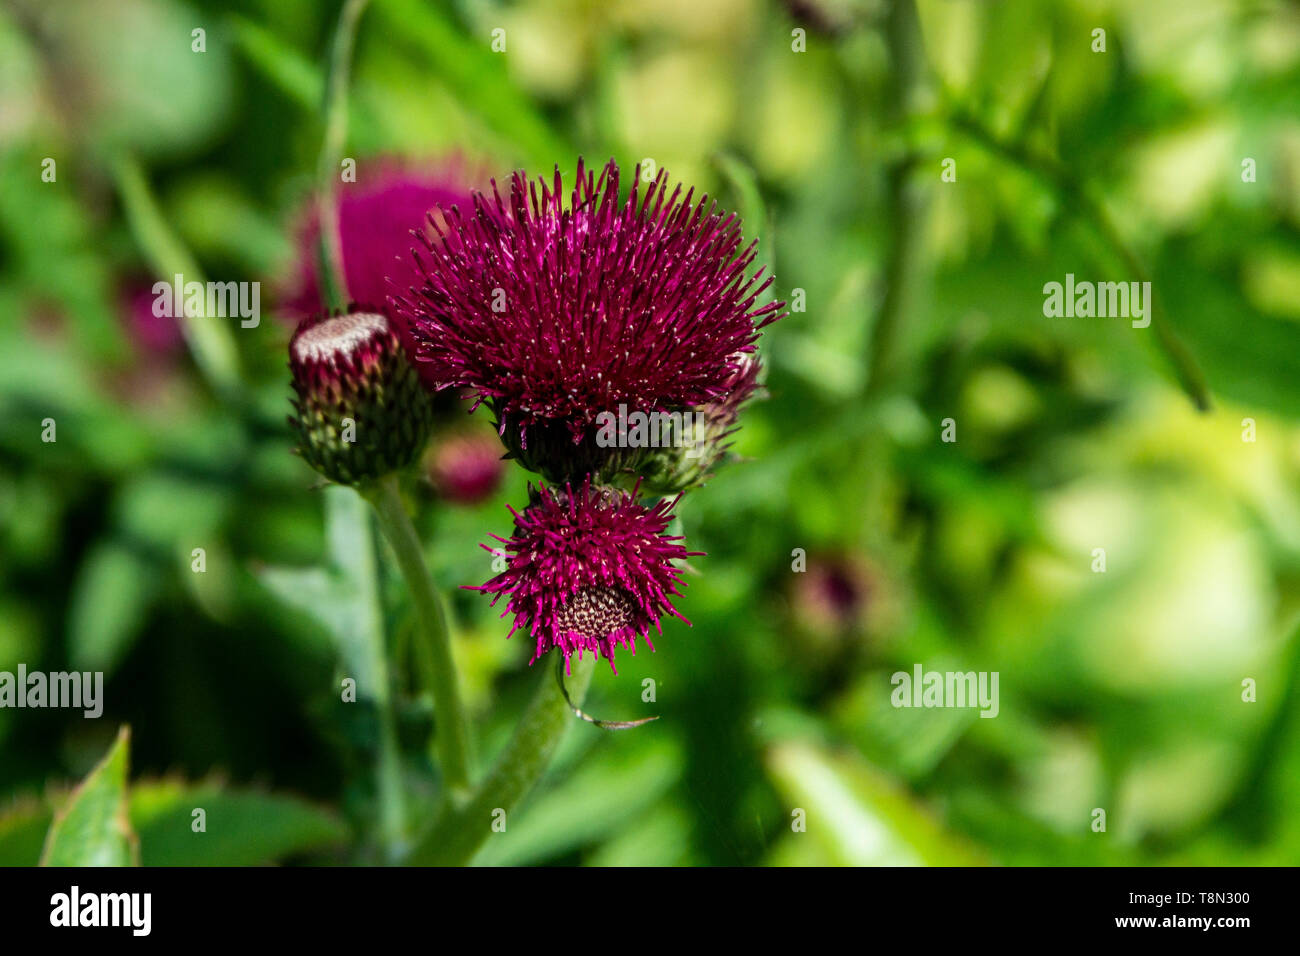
column 239, row 828
column 242, row 827
column 93, row 827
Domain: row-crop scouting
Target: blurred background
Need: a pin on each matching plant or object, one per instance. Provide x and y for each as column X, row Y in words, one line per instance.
column 852, row 541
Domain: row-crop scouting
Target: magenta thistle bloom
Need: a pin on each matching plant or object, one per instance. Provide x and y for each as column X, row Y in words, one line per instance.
column 589, row 570
column 553, row 315
column 377, row 214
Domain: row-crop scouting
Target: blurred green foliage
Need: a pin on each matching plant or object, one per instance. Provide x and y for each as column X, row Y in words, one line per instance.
column 1121, row 691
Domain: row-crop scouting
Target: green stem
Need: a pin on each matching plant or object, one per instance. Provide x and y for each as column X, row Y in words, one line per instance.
column 352, row 539
column 906, row 204
column 333, row 287
column 458, row 834
column 449, row 711
column 333, row 283
column 392, row 792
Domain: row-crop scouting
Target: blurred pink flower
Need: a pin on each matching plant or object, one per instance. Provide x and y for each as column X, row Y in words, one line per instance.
column 377, row 214
column 466, row 468
column 154, row 335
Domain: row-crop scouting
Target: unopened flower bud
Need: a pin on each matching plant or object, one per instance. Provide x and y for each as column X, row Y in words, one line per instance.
column 705, row 441
column 361, row 412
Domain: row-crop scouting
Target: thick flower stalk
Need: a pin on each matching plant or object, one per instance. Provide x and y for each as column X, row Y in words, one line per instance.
column 361, row 413
column 553, row 315
column 589, row 569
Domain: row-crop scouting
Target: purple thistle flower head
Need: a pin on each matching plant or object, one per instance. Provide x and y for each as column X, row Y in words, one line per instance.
column 589, row 570
column 554, row 315
column 377, row 214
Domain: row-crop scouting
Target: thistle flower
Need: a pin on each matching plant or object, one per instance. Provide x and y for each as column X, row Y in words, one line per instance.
column 376, row 217
column 466, row 467
column 589, row 570
column 553, row 315
column 361, row 411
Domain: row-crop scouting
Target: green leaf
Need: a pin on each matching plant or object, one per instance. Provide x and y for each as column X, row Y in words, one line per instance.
column 479, row 79
column 299, row 78
column 52, row 248
column 342, row 598
column 857, row 817
column 283, row 66
column 128, row 53
column 753, row 213
column 22, row 832
column 592, row 805
column 239, row 828
column 210, row 342
column 313, row 591
column 219, row 220
column 1253, row 359
column 110, row 598
column 93, row 828
column 170, row 512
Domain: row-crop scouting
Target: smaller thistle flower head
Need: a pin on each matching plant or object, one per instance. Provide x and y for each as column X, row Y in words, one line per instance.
column 377, row 215
column 466, row 467
column 589, row 570
column 555, row 314
column 361, row 412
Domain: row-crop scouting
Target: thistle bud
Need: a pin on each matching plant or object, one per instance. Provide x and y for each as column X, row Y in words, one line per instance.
column 706, row 435
column 361, row 411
